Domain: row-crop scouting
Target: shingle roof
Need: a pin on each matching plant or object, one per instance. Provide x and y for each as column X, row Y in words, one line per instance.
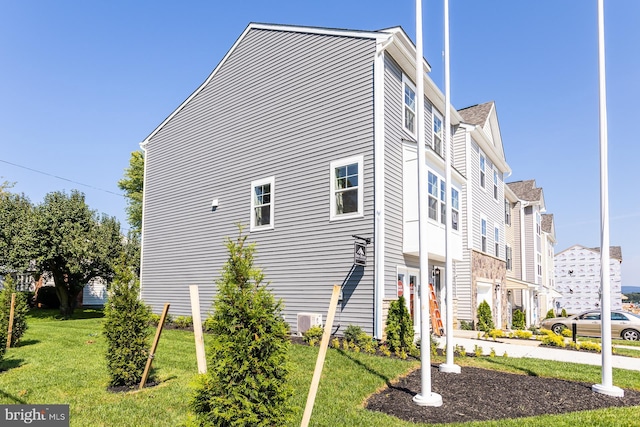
column 476, row 114
column 614, row 252
column 547, row 222
column 526, row 190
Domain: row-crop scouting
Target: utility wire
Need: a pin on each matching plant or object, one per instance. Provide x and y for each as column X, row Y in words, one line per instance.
column 59, row 177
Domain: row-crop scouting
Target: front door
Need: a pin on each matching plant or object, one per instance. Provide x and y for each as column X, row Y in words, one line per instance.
column 408, row 281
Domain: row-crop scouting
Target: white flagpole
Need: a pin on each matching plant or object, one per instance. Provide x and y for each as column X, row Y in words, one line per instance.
column 607, row 386
column 426, row 397
column 449, row 366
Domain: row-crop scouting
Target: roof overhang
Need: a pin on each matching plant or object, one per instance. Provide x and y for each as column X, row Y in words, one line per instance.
column 480, row 137
column 515, row 284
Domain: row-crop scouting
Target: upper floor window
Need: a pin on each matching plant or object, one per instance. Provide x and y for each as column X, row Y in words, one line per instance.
column 483, row 232
column 455, row 208
column 539, row 264
column 495, row 184
column 347, row 188
column 496, row 240
column 508, row 254
column 443, row 202
column 262, row 192
column 483, row 162
column 433, row 196
column 409, row 105
column 507, row 212
column 437, row 133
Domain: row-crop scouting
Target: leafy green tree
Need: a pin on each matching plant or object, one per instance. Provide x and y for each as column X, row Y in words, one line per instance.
column 16, row 236
column 485, row 318
column 74, row 245
column 399, row 327
column 518, row 321
column 20, row 310
column 132, row 184
column 248, row 369
column 126, row 327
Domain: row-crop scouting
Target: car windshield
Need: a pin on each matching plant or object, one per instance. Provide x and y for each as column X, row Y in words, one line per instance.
column 637, row 316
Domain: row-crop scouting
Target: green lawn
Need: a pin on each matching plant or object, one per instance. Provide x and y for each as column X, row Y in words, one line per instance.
column 63, row 362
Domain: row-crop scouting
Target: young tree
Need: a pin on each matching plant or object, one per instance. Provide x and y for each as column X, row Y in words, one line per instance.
column 126, row 327
column 16, row 236
column 246, row 383
column 74, row 245
column 399, row 327
column 485, row 318
column 20, row 310
column 132, row 184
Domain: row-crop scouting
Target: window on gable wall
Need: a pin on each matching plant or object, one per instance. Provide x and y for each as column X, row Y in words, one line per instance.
column 482, row 170
column 495, row 184
column 346, row 188
column 262, row 204
column 483, row 230
column 409, row 105
column 437, row 133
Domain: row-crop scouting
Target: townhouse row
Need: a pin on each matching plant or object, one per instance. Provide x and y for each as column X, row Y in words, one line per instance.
column 307, row 136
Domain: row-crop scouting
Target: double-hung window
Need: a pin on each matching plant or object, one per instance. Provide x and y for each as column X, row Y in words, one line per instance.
column 433, row 196
column 455, row 208
column 508, row 254
column 437, row 133
column 443, row 202
column 483, row 162
column 483, row 233
column 262, row 202
column 409, row 105
column 507, row 212
column 347, row 188
column 495, row 184
column 496, row 240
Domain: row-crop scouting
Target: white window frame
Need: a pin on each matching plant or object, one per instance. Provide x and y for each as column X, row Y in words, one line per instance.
column 508, row 257
column 436, row 115
column 495, row 185
column 406, row 83
column 271, row 181
column 507, row 212
column 455, row 209
column 433, row 191
column 332, row 178
column 483, row 234
column 496, row 238
column 483, row 167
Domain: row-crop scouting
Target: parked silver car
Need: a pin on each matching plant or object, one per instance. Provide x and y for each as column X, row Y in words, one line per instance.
column 623, row 324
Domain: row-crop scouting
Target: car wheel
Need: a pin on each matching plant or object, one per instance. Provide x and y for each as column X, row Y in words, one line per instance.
column 557, row 328
column 630, row 335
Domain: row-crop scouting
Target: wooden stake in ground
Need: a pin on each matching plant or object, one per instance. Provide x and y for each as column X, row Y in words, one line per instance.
column 197, row 329
column 10, row 331
column 324, row 344
column 152, row 352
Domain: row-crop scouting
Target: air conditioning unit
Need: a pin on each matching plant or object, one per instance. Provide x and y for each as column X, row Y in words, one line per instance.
column 307, row 320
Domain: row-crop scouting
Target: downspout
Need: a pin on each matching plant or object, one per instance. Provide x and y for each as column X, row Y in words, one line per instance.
column 379, row 182
column 143, row 147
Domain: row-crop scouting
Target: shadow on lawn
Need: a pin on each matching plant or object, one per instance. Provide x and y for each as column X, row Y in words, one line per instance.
column 12, row 397
column 24, row 343
column 8, row 364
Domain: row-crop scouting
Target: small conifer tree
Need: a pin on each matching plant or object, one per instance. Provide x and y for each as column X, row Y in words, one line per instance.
column 563, row 313
column 248, row 362
column 399, row 327
column 518, row 321
column 126, row 328
column 20, row 310
column 485, row 318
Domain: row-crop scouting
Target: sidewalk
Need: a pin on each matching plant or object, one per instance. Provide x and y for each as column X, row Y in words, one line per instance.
column 532, row 348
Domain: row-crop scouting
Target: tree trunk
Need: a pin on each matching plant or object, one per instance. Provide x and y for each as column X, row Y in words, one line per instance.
column 62, row 291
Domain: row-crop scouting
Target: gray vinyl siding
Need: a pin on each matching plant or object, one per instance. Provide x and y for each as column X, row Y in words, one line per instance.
column 283, row 104
column 459, row 148
column 517, row 239
column 530, row 235
column 394, row 133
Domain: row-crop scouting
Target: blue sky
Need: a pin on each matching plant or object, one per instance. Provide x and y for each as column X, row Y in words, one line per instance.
column 82, row 83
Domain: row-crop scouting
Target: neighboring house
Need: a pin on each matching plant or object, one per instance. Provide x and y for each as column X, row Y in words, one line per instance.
column 479, row 155
column 547, row 294
column 525, row 204
column 307, row 136
column 577, row 276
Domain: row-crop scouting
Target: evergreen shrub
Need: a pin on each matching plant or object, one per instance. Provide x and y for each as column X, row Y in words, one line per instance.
column 485, row 318
column 399, row 327
column 518, row 321
column 20, row 310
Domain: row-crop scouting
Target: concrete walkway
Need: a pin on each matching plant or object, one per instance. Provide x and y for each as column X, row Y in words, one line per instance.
column 532, row 348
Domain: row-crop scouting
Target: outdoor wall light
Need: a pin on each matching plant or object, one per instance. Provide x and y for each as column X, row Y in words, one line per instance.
column 214, row 204
column 498, row 288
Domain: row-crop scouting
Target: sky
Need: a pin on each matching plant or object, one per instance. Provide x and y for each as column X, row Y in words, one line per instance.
column 83, row 83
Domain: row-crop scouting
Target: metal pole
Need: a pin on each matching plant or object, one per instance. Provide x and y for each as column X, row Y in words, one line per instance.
column 426, row 397
column 607, row 386
column 449, row 366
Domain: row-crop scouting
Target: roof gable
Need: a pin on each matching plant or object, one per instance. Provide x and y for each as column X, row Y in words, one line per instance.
column 615, row 252
column 485, row 117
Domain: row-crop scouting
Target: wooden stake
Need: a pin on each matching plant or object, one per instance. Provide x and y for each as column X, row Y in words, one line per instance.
column 197, row 329
column 11, row 313
column 152, row 352
column 324, row 344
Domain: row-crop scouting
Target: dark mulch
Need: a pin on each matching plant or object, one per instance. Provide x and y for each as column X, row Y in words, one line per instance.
column 127, row 389
column 480, row 394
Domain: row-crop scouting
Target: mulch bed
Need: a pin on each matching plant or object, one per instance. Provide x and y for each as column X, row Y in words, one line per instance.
column 127, row 389
column 480, row 394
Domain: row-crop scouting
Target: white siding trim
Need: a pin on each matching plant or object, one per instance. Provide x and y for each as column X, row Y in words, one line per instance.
column 379, row 196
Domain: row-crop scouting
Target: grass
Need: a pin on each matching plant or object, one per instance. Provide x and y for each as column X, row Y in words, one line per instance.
column 63, row 362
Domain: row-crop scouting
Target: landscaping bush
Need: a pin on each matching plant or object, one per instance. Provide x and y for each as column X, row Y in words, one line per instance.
column 591, row 346
column 523, row 335
column 518, row 321
column 466, row 326
column 248, row 367
column 399, row 328
column 553, row 340
column 550, row 314
column 566, row 332
column 496, row 333
column 183, row 322
column 313, row 335
column 20, row 310
column 126, row 328
column 485, row 318
column 207, row 325
column 563, row 313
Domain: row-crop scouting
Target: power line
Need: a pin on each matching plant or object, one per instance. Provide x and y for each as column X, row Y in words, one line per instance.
column 63, row 179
